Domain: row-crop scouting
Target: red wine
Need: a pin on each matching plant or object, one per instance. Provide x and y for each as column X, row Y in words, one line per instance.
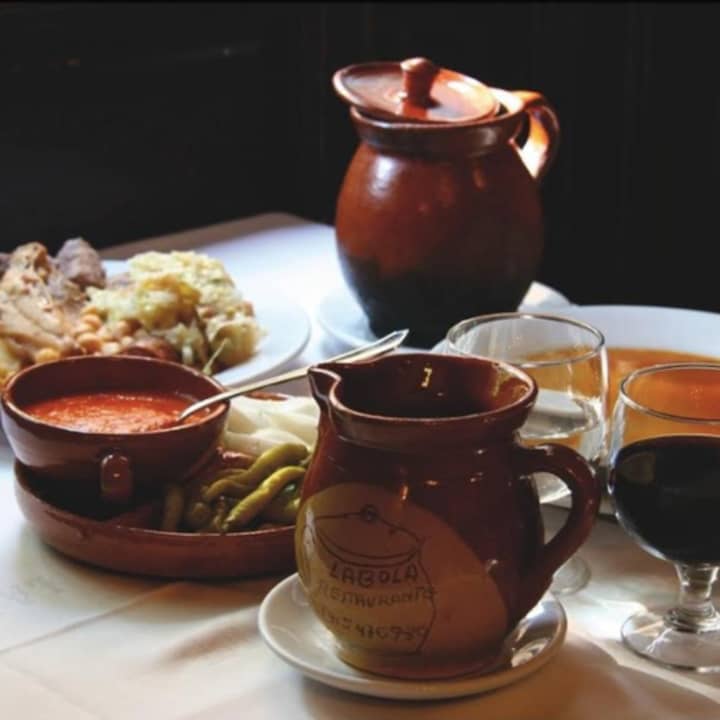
column 667, row 494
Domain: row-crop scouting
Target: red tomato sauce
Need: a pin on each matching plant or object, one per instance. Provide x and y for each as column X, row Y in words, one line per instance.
column 117, row 412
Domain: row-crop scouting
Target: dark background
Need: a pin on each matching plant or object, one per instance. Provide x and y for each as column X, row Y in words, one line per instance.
column 121, row 121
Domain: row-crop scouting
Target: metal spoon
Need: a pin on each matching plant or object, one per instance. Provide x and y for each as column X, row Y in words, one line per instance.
column 379, row 347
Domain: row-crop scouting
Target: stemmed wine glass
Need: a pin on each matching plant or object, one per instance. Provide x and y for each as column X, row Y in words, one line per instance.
column 568, row 360
column 664, row 480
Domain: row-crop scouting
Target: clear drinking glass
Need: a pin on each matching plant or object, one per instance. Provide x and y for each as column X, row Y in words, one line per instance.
column 664, row 462
column 568, row 360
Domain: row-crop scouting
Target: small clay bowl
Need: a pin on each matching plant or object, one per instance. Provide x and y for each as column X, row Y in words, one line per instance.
column 110, row 468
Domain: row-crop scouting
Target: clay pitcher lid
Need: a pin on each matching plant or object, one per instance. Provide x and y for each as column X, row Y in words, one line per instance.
column 414, row 90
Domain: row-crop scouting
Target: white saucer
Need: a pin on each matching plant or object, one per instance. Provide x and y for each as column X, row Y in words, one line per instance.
column 342, row 317
column 289, row 626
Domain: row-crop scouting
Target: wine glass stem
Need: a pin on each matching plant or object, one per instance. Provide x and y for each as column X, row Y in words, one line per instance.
column 695, row 611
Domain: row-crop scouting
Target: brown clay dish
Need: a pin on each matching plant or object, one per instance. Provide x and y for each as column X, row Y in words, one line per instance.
column 96, row 467
column 127, row 543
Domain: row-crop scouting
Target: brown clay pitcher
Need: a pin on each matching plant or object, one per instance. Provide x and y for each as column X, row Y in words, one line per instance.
column 419, row 540
column 439, row 217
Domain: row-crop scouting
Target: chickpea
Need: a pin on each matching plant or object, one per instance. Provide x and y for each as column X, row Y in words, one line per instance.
column 91, row 319
column 123, row 328
column 82, row 328
column 90, row 342
column 104, row 333
column 46, row 354
column 110, row 348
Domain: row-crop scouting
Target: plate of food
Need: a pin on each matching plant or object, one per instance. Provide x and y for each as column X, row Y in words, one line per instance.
column 641, row 335
column 343, row 318
column 179, row 306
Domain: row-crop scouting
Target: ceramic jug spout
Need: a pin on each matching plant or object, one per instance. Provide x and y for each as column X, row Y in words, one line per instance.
column 322, row 380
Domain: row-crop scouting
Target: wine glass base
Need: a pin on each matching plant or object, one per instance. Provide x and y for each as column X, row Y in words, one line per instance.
column 648, row 635
column 570, row 577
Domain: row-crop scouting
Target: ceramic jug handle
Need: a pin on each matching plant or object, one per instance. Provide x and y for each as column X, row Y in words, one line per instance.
column 541, row 145
column 584, row 487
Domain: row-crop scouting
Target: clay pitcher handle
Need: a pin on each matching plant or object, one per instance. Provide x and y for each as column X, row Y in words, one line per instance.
column 584, row 487
column 541, row 145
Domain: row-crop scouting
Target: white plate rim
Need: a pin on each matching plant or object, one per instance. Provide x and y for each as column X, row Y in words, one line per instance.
column 374, row 686
column 637, row 312
column 631, row 314
column 287, row 325
column 340, row 296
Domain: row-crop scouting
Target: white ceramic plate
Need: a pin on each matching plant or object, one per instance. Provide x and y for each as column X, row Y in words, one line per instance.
column 286, row 324
column 343, row 318
column 648, row 327
column 658, row 328
column 291, row 630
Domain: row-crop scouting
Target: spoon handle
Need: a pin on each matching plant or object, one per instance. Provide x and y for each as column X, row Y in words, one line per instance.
column 379, row 347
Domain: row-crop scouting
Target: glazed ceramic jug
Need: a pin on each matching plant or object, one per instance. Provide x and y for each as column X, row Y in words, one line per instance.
column 438, row 217
column 419, row 539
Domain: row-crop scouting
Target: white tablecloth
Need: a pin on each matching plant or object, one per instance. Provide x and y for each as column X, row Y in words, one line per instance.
column 77, row 642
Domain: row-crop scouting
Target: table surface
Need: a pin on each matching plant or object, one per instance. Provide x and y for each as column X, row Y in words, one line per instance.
column 81, row 643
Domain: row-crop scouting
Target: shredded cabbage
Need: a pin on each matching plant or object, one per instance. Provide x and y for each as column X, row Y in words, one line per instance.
column 188, row 299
